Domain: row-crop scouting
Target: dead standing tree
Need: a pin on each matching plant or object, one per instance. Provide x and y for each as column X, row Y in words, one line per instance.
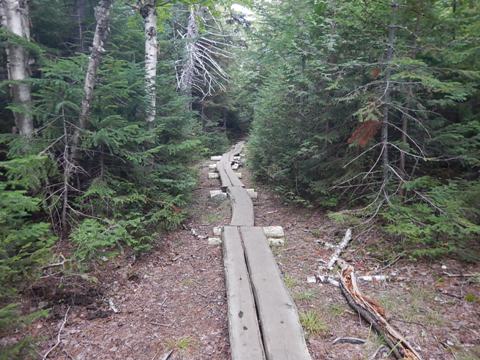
column 386, row 96
column 201, row 70
column 14, row 16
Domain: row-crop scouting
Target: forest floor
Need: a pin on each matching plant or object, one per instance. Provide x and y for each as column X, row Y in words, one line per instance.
column 174, row 297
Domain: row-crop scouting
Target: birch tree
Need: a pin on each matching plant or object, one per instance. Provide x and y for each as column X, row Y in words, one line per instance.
column 102, row 14
column 71, row 150
column 15, row 19
column 149, row 14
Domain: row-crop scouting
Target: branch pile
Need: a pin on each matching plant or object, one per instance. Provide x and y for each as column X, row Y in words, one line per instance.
column 368, row 308
column 372, row 312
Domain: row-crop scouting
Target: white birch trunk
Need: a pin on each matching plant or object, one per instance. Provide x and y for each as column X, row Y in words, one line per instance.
column 15, row 18
column 102, row 14
column 149, row 14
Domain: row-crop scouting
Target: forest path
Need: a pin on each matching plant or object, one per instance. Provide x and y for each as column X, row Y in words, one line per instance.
column 175, row 296
column 263, row 319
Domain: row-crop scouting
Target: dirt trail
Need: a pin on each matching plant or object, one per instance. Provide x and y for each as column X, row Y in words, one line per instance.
column 175, row 296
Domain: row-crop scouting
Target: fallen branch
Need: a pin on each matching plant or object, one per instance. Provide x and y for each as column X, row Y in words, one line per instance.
column 349, row 340
column 374, row 314
column 112, row 306
column 60, row 263
column 328, row 279
column 339, row 249
column 379, row 349
column 373, row 277
column 167, row 355
column 461, row 275
column 59, row 340
column 334, row 279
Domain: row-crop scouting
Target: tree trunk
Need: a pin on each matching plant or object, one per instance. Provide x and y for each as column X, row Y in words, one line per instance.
column 149, row 14
column 187, row 76
column 409, row 103
column 102, row 14
column 387, row 92
column 15, row 18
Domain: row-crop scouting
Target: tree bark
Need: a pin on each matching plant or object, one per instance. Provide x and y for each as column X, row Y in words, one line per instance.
column 102, row 14
column 409, row 103
column 387, row 92
column 15, row 18
column 149, row 14
column 187, row 76
column 71, row 152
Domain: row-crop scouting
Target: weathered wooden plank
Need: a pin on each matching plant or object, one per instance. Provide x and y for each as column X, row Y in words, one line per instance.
column 227, row 175
column 222, row 167
column 244, row 331
column 232, row 176
column 283, row 337
column 227, row 162
column 242, row 206
column 237, row 149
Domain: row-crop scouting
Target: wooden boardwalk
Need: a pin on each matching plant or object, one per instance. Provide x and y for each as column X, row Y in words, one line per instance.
column 263, row 319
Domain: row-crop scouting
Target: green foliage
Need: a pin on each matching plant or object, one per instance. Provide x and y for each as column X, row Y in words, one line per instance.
column 11, row 320
column 140, row 178
column 447, row 224
column 93, row 238
column 314, row 79
column 24, row 243
column 214, row 143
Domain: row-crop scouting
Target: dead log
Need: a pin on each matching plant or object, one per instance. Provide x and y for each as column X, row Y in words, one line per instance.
column 374, row 314
column 339, row 249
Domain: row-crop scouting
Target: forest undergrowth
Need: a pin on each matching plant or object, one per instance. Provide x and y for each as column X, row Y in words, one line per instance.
column 366, row 110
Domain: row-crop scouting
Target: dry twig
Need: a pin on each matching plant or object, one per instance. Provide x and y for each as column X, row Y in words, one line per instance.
column 59, row 340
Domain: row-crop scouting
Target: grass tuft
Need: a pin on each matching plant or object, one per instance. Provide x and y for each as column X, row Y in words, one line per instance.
column 306, row 295
column 289, row 281
column 182, row 343
column 312, row 323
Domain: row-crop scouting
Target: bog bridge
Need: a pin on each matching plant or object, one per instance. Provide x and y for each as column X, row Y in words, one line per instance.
column 263, row 319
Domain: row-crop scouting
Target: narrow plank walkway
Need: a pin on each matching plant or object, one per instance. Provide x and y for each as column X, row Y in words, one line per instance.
column 263, row 319
column 283, row 336
column 245, row 337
